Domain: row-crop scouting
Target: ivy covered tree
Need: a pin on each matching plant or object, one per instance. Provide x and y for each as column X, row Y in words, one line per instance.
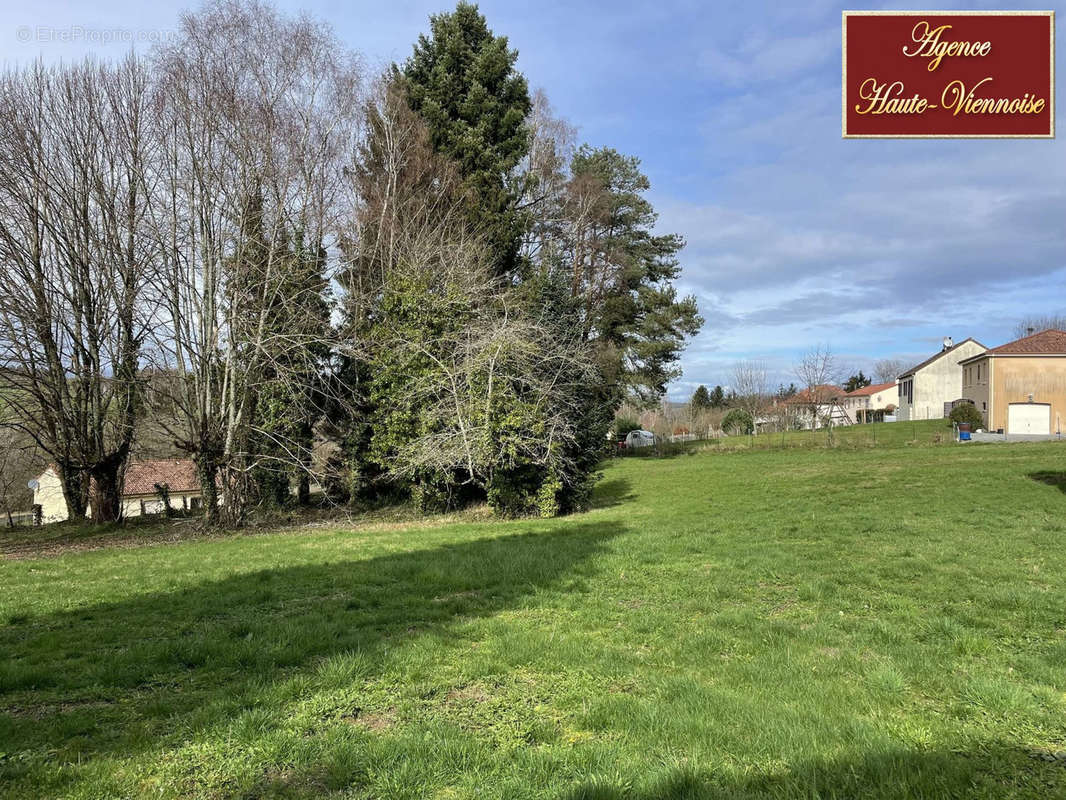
column 461, row 80
column 289, row 394
column 469, row 386
column 479, row 373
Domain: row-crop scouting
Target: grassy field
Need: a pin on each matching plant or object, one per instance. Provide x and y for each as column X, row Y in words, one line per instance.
column 891, row 434
column 875, row 622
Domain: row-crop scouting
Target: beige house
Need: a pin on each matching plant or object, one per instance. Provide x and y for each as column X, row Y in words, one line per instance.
column 871, row 403
column 927, row 390
column 140, row 493
column 1020, row 387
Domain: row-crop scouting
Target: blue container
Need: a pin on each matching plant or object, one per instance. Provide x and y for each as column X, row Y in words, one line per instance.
column 964, row 436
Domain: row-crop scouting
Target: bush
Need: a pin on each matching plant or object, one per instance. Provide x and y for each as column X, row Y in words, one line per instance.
column 623, row 425
column 967, row 412
column 738, row 421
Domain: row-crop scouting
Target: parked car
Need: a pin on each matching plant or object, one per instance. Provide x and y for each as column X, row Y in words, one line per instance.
column 640, row 439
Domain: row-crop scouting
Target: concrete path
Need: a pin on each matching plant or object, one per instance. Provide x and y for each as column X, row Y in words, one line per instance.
column 1016, row 437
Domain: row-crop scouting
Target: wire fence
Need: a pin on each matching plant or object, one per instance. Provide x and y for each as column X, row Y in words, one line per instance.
column 856, row 437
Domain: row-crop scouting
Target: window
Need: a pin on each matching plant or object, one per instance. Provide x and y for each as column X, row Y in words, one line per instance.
column 194, row 503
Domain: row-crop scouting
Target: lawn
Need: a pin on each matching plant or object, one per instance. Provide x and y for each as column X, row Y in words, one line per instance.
column 875, row 622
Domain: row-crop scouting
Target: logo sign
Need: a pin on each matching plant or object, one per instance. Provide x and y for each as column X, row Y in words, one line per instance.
column 964, row 74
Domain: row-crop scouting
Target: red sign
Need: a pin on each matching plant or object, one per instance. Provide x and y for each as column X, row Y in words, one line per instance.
column 963, row 74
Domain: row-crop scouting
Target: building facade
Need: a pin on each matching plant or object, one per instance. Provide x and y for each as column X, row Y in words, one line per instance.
column 926, row 389
column 1020, row 387
column 871, row 403
column 140, row 495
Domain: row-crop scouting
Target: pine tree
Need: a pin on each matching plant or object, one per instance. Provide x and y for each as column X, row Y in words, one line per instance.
column 462, row 81
column 717, row 397
column 858, row 381
column 701, row 399
column 624, row 274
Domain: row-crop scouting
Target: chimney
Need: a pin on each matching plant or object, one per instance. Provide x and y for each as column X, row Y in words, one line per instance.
column 1030, row 331
column 948, row 344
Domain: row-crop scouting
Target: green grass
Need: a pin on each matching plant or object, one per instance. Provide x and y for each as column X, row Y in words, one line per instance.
column 881, row 622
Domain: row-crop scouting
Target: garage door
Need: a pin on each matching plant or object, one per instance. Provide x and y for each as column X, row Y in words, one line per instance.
column 1029, row 418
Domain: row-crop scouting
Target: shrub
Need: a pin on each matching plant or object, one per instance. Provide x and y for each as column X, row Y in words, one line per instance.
column 623, row 425
column 738, row 421
column 967, row 412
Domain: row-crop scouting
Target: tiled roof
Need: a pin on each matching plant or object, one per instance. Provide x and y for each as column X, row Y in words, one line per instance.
column 930, row 360
column 179, row 475
column 1051, row 342
column 868, row 390
column 822, row 394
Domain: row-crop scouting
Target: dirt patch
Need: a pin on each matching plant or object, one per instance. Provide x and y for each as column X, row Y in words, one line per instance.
column 371, row 720
column 464, row 695
column 45, row 710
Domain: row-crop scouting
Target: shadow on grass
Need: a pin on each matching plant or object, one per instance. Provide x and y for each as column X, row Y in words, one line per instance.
column 613, row 492
column 132, row 676
column 995, row 771
column 1051, row 478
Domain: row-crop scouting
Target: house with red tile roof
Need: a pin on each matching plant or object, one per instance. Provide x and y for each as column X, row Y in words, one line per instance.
column 1020, row 386
column 818, row 406
column 143, row 489
column 871, row 403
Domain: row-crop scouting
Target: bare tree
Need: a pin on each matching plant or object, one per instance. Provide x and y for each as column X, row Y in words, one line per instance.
column 256, row 114
column 542, row 175
column 886, row 370
column 74, row 187
column 408, row 208
column 1035, row 323
column 817, row 371
column 751, row 385
column 20, row 461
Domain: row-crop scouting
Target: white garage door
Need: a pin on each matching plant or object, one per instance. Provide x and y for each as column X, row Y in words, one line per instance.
column 1029, row 418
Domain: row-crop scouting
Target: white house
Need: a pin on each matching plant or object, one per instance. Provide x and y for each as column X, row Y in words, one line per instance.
column 871, row 403
column 817, row 407
column 140, row 494
column 927, row 390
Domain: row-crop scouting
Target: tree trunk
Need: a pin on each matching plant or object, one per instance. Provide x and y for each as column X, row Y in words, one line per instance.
column 235, row 500
column 207, row 471
column 303, row 480
column 106, row 488
column 74, row 492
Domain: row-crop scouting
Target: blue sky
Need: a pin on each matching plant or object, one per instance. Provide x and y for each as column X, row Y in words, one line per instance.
column 796, row 237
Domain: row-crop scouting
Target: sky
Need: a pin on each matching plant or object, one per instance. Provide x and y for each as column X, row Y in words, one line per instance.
column 796, row 237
